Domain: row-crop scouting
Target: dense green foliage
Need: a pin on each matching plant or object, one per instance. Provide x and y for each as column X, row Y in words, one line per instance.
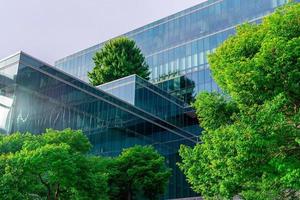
column 56, row 165
column 138, row 173
column 118, row 58
column 251, row 143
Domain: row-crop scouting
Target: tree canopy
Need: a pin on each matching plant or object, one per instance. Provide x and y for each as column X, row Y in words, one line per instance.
column 251, row 143
column 56, row 165
column 139, row 172
column 53, row 165
column 118, row 58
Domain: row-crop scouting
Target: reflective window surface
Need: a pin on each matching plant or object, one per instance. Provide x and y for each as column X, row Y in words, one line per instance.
column 8, row 72
column 178, row 45
column 148, row 97
column 123, row 88
column 35, row 96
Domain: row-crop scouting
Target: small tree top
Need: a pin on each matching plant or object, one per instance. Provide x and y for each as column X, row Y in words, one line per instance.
column 118, row 58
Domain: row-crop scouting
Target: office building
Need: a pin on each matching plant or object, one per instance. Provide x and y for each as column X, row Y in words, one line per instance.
column 35, row 96
column 119, row 114
column 176, row 47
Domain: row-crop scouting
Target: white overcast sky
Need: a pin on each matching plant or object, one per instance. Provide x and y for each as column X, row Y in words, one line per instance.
column 52, row 29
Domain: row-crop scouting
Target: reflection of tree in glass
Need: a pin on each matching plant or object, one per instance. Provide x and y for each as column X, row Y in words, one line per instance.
column 184, row 92
column 5, row 80
column 180, row 87
column 187, row 87
column 163, row 77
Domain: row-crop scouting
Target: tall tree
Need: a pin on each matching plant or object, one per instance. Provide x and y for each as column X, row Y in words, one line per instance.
column 118, row 58
column 251, row 143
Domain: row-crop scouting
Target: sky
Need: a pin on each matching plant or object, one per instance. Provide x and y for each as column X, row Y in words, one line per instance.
column 52, row 29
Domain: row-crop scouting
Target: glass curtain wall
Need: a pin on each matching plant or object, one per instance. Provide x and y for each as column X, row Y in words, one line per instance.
column 35, row 96
column 177, row 46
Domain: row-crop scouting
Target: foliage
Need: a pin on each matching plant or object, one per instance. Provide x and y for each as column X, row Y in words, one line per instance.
column 139, row 172
column 214, row 110
column 118, row 58
column 53, row 165
column 262, row 60
column 250, row 146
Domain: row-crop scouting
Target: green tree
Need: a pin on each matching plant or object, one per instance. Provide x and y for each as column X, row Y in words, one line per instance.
column 118, row 58
column 56, row 165
column 251, row 143
column 53, row 165
column 138, row 173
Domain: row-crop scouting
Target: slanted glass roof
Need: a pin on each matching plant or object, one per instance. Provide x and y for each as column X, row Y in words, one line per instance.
column 35, row 96
column 54, row 85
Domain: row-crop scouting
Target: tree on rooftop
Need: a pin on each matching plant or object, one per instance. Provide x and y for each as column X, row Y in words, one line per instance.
column 251, row 143
column 118, row 58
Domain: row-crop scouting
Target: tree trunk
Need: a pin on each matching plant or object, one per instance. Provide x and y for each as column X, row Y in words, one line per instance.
column 47, row 186
column 49, row 195
column 129, row 195
column 56, row 196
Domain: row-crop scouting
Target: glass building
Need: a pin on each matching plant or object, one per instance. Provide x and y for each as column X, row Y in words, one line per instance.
column 35, row 96
column 176, row 47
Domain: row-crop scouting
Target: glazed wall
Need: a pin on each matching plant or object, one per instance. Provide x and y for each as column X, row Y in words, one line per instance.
column 178, row 45
column 35, row 96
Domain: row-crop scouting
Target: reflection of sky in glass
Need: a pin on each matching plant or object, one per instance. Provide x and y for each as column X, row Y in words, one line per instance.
column 9, row 72
column 122, row 88
column 5, row 105
column 3, row 116
column 6, row 101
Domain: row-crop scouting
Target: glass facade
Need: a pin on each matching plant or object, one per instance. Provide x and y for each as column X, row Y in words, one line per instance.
column 146, row 96
column 123, row 88
column 176, row 47
column 35, row 96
